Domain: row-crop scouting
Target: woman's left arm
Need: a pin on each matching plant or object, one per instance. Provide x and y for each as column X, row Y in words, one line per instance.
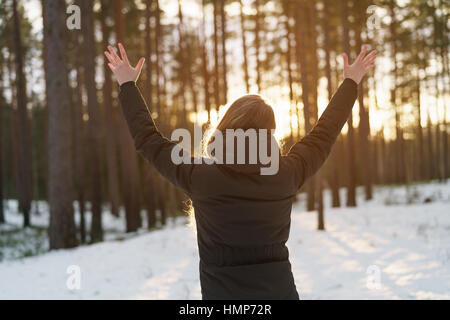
column 149, row 142
column 309, row 154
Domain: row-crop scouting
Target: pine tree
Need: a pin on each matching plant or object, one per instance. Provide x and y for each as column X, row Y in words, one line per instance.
column 25, row 172
column 62, row 233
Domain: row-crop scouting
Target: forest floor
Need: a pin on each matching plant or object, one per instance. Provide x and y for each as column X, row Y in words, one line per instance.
column 396, row 246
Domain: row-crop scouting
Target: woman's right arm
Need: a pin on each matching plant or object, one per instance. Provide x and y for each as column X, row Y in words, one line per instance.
column 149, row 142
column 309, row 154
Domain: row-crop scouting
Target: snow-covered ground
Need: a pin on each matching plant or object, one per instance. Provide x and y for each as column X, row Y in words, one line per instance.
column 16, row 242
column 396, row 246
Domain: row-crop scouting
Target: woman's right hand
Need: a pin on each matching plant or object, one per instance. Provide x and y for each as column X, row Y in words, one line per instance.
column 121, row 67
column 361, row 66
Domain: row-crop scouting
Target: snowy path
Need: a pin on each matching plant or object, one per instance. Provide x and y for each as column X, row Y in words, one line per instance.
column 409, row 243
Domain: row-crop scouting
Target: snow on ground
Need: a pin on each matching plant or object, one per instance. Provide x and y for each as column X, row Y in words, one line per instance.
column 16, row 242
column 403, row 233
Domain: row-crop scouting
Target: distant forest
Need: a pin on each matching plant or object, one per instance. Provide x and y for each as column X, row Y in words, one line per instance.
column 63, row 137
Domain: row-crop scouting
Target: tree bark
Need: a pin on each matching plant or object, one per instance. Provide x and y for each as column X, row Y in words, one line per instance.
column 336, row 201
column 317, row 184
column 149, row 173
column 258, row 44
column 437, row 46
column 430, row 149
column 148, row 52
column 286, row 9
column 223, row 23
column 365, row 165
column 244, row 47
column 25, row 173
column 302, row 63
column 94, row 125
column 205, row 69
column 217, row 96
column 182, row 77
column 420, row 151
column 399, row 152
column 128, row 158
column 2, row 134
column 62, row 233
column 79, row 142
column 108, row 116
column 351, row 184
column 158, row 38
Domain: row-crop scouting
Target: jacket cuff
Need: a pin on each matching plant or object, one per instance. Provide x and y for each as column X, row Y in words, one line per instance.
column 128, row 84
column 351, row 81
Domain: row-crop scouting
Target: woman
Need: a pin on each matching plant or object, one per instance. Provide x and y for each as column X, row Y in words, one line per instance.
column 242, row 216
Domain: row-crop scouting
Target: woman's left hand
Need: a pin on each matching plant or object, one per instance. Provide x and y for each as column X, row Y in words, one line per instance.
column 361, row 66
column 121, row 67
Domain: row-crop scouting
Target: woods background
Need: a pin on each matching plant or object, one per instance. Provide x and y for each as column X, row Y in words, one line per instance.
column 64, row 140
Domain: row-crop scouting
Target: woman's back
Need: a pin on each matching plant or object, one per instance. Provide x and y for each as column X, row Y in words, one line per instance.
column 243, row 222
column 242, row 206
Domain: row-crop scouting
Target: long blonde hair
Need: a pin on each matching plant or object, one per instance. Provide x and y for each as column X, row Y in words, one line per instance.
column 250, row 111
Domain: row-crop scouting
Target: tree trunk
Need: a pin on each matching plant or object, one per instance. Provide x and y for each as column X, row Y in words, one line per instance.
column 149, row 173
column 128, row 158
column 191, row 74
column 94, row 124
column 258, row 44
column 2, row 134
column 399, row 152
column 439, row 163
column 223, row 23
column 351, row 185
column 446, row 78
column 25, row 173
column 286, row 9
column 244, row 47
column 420, row 151
column 365, row 167
column 182, row 66
column 430, row 149
column 149, row 189
column 302, row 63
column 43, row 144
column 158, row 39
column 108, row 116
column 148, row 52
column 79, row 142
column 62, row 233
column 217, row 99
column 161, row 200
column 315, row 85
column 336, row 201
column 205, row 70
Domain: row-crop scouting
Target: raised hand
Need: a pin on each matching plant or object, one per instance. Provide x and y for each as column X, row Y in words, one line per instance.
column 121, row 67
column 361, row 66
